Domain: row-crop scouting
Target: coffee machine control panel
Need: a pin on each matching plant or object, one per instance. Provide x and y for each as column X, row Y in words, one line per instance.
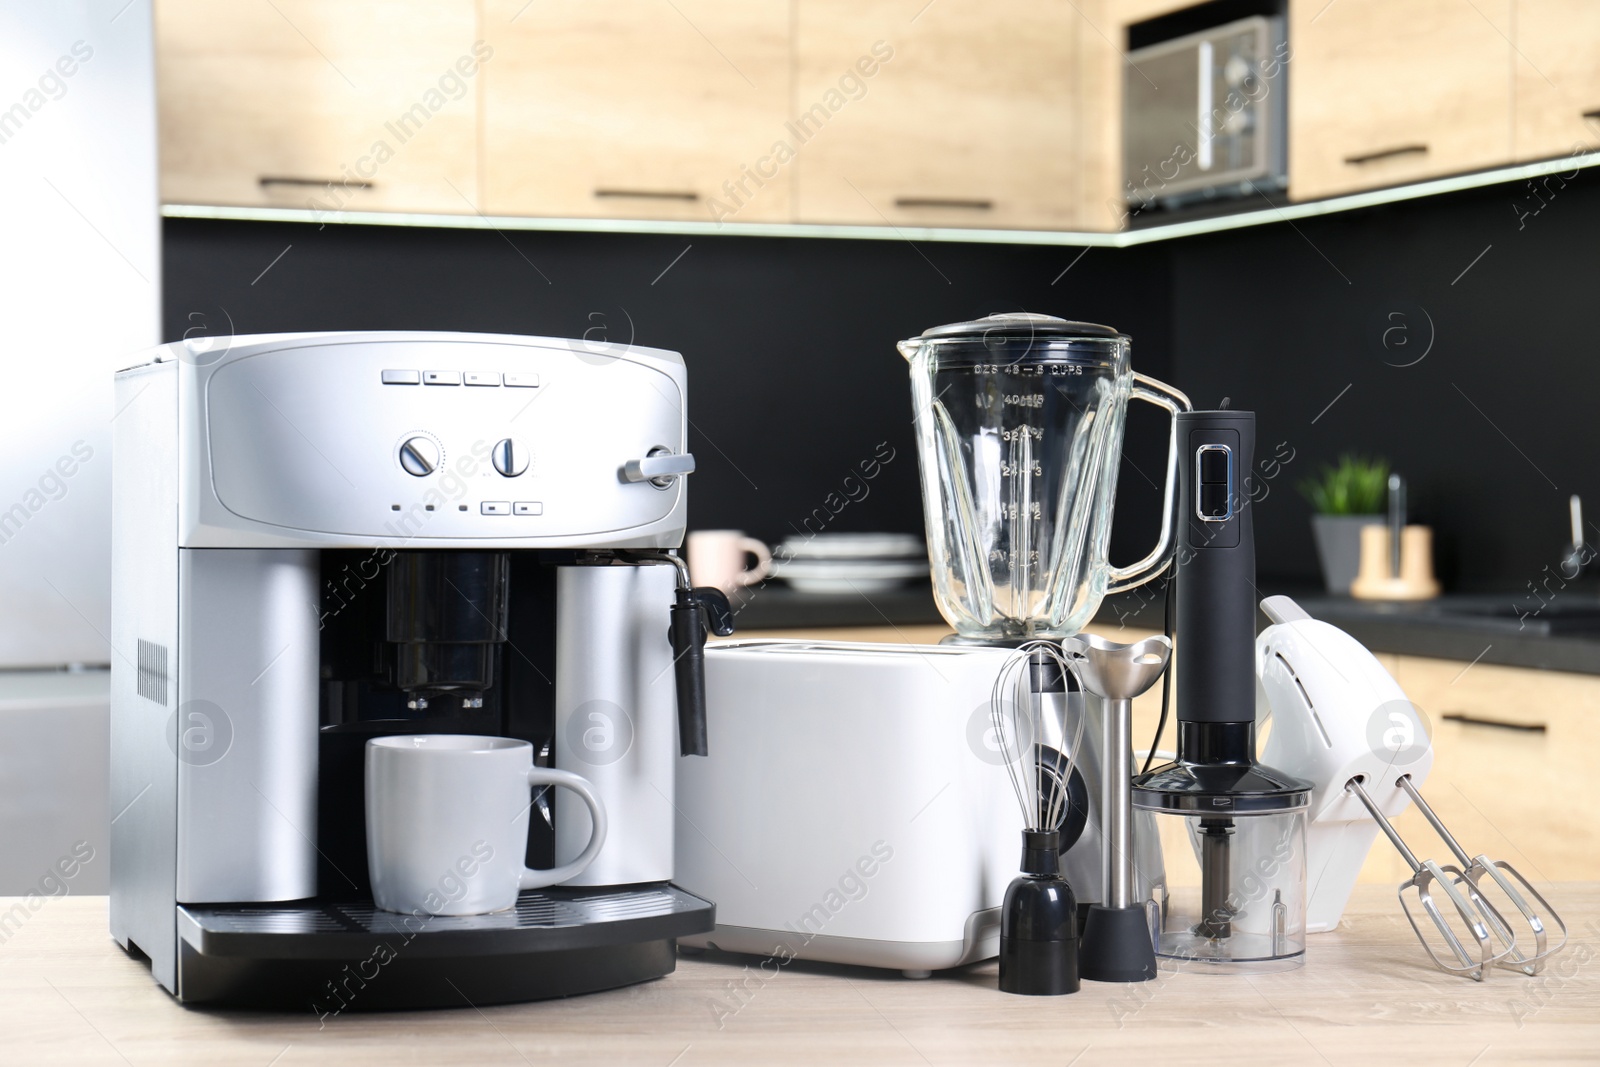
column 441, row 438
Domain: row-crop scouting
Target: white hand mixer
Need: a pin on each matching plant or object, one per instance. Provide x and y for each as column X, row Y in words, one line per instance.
column 1340, row 720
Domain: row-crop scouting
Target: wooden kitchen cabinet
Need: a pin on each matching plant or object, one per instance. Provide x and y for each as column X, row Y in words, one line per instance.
column 1383, row 93
column 636, row 109
column 1557, row 78
column 1125, row 12
column 968, row 117
column 1505, row 792
column 356, row 104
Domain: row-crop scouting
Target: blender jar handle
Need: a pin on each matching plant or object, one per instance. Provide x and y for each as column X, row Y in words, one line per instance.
column 1162, row 396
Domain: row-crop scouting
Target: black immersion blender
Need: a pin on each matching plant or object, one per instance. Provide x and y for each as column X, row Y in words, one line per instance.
column 1247, row 819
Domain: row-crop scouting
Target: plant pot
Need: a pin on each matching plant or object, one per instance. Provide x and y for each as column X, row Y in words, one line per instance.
column 1338, row 540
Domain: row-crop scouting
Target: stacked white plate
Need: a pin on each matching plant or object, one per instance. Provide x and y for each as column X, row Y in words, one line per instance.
column 834, row 563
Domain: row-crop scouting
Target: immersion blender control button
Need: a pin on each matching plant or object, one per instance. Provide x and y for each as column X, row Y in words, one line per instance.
column 1214, row 488
column 1214, row 502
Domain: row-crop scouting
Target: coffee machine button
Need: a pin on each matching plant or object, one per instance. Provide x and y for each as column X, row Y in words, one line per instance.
column 528, row 507
column 402, row 377
column 419, row 456
column 522, row 380
column 495, row 507
column 483, row 377
column 441, row 377
column 510, row 457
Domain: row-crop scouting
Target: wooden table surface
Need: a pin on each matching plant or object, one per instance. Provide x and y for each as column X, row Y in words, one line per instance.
column 1365, row 997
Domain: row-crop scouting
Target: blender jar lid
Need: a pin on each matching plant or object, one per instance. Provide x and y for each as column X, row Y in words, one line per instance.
column 1022, row 326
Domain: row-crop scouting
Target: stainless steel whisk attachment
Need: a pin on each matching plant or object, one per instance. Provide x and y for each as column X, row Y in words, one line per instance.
column 1026, row 715
column 1039, row 921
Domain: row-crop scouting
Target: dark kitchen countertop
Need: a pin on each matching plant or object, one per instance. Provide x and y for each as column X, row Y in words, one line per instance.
column 1459, row 627
column 1565, row 636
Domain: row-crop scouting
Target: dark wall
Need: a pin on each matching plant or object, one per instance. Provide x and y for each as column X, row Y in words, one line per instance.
column 1480, row 386
column 1476, row 376
column 793, row 375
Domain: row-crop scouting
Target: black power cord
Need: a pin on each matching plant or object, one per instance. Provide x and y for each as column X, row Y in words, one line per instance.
column 1166, row 677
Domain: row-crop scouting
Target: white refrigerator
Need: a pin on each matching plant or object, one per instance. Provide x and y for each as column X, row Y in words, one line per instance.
column 80, row 275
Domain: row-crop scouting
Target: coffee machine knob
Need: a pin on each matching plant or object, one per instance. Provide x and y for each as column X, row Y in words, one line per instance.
column 510, row 457
column 419, row 456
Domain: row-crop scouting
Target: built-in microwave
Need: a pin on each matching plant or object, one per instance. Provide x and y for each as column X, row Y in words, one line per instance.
column 1205, row 115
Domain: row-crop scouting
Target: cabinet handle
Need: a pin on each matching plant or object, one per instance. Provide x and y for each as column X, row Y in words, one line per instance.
column 648, row 194
column 266, row 181
column 1387, row 153
column 937, row 201
column 1501, row 724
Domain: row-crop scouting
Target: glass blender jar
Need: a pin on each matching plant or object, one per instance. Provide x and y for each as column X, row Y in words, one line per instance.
column 1019, row 421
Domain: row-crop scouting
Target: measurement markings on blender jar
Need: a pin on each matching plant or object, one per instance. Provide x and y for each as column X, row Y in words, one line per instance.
column 1021, row 370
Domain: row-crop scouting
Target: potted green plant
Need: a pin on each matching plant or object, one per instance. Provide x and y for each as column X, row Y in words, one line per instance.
column 1344, row 498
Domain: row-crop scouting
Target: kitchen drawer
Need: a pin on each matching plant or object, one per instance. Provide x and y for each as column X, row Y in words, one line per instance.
column 1383, row 93
column 637, row 109
column 1503, row 791
column 266, row 104
column 969, row 116
column 1557, row 78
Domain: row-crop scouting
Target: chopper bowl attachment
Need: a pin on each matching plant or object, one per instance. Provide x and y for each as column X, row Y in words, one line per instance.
column 1233, row 843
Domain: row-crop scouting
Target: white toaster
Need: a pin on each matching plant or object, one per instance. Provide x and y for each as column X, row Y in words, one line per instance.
column 854, row 807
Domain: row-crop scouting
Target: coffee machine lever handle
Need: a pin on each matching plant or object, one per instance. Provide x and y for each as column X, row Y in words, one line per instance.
column 659, row 467
column 695, row 611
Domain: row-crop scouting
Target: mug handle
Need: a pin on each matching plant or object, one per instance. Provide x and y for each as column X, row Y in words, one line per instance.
column 763, row 566
column 1172, row 401
column 537, row 879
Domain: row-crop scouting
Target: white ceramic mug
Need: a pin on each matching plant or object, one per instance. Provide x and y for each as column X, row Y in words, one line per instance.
column 447, row 822
column 717, row 558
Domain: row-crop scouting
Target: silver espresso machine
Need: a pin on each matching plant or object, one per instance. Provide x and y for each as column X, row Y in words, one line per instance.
column 323, row 538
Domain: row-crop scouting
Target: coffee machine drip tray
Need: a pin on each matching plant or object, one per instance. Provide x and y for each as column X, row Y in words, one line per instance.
column 336, row 957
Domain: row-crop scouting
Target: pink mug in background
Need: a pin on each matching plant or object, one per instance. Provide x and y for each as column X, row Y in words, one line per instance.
column 718, row 558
